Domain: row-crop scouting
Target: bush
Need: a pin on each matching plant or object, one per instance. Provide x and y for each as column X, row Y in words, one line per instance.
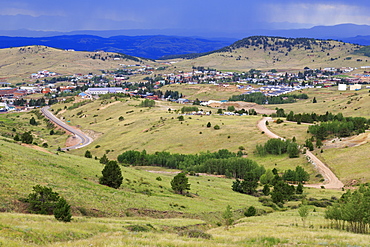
column 62, row 211
column 138, row 228
column 195, row 234
column 43, row 200
column 216, row 127
column 251, row 211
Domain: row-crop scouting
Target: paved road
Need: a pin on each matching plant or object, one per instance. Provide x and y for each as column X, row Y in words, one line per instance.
column 84, row 139
column 331, row 181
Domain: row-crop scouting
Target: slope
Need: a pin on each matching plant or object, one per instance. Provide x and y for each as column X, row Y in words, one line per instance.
column 18, row 63
column 262, row 52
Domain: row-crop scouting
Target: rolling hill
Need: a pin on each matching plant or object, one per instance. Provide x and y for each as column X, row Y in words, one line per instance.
column 18, row 63
column 265, row 53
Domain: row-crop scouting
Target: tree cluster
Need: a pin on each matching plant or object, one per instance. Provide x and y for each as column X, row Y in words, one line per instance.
column 222, row 162
column 260, row 98
column 277, row 147
column 147, row 103
column 352, row 212
column 44, row 200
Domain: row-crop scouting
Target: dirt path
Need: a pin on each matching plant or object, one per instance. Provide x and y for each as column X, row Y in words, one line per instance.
column 331, row 181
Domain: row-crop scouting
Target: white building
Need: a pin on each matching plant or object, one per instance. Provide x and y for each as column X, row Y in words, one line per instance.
column 342, row 87
column 97, row 91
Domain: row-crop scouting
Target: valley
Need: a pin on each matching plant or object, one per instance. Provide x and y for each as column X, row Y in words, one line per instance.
column 194, row 115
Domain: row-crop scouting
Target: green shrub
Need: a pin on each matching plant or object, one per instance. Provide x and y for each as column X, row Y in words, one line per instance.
column 194, row 233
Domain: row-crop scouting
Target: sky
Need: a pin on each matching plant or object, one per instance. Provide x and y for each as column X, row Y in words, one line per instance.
column 227, row 16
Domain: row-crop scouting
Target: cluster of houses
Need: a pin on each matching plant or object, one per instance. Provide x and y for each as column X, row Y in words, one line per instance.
column 43, row 74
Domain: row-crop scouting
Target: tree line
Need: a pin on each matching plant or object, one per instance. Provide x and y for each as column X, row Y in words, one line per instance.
column 260, row 98
column 222, row 162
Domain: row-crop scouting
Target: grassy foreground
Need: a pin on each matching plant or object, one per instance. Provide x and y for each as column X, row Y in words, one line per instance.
column 277, row 229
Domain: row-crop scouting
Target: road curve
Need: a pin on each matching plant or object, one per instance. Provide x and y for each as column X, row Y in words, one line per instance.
column 84, row 139
column 331, row 180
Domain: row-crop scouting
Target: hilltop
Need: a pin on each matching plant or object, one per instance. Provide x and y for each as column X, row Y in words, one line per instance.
column 266, row 53
column 18, row 63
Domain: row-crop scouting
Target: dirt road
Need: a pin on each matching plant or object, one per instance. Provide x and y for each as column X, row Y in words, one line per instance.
column 331, row 181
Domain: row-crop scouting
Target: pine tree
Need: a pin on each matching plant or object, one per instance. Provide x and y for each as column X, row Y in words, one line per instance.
column 88, row 154
column 112, row 175
column 104, row 159
column 228, row 216
column 62, row 211
column 180, row 183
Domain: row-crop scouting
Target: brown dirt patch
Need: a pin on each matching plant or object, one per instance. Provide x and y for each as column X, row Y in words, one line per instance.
column 72, row 141
column 352, row 141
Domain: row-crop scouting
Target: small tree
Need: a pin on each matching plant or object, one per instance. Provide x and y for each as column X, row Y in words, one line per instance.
column 251, row 211
column 231, row 108
column 303, row 212
column 299, row 189
column 266, row 190
column 112, row 175
column 42, row 200
column 27, row 137
column 121, row 118
column 209, row 125
column 180, row 118
column 16, row 138
column 104, row 159
column 88, row 154
column 33, row 121
column 314, row 100
column 228, row 217
column 62, row 211
column 180, row 183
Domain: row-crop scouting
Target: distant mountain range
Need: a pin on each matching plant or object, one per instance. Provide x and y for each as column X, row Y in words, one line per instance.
column 153, row 46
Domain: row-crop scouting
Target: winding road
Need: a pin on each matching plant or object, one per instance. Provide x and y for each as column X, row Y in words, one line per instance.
column 331, row 180
column 84, row 139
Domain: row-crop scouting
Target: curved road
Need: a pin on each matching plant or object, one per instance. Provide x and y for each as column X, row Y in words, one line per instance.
column 331, row 181
column 84, row 139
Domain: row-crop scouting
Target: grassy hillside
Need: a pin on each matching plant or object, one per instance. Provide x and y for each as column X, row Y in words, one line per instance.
column 266, row 53
column 143, row 200
column 18, row 63
column 157, row 129
column 282, row 228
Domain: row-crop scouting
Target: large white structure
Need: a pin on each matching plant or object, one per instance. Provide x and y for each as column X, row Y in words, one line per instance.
column 97, row 91
column 342, row 87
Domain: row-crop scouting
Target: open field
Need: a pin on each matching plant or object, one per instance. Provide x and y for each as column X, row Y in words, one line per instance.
column 204, row 92
column 349, row 103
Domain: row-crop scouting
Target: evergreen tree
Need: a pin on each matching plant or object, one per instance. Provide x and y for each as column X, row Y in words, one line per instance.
column 314, row 100
column 16, row 138
column 251, row 211
column 104, row 159
column 62, row 210
column 27, row 137
column 299, row 189
column 112, row 175
column 42, row 200
column 266, row 190
column 33, row 121
column 209, row 125
column 88, row 154
column 228, row 216
column 180, row 183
